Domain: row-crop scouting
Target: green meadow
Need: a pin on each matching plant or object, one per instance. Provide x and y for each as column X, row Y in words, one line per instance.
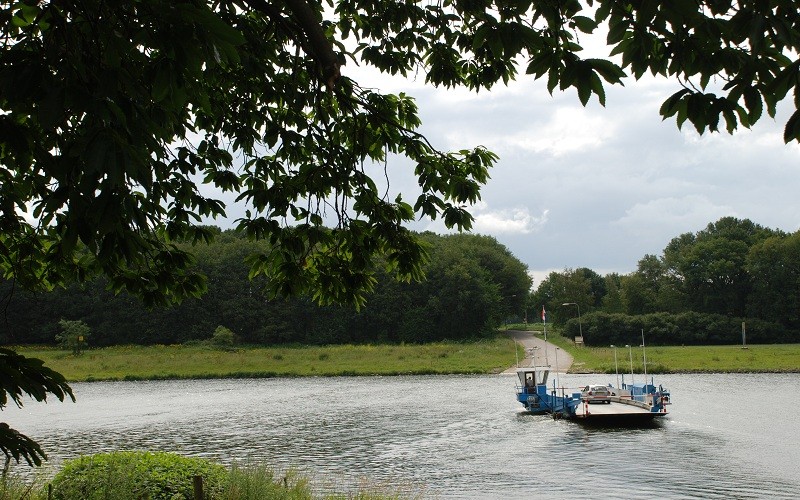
column 199, row 361
column 485, row 356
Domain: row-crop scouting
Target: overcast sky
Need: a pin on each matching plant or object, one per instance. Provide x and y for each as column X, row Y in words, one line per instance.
column 600, row 187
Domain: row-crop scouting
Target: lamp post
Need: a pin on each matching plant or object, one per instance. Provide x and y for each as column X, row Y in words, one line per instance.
column 580, row 328
column 616, row 366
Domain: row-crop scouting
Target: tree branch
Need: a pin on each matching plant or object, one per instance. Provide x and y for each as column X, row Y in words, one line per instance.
column 320, row 47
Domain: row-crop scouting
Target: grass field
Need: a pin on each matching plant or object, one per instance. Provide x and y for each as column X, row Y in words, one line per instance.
column 176, row 361
column 487, row 356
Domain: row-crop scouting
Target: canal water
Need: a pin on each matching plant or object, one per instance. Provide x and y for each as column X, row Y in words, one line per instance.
column 727, row 436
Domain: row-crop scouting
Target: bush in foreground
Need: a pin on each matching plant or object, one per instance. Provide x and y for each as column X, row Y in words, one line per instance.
column 132, row 474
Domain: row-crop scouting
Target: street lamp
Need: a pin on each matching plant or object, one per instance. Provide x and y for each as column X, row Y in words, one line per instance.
column 616, row 367
column 580, row 328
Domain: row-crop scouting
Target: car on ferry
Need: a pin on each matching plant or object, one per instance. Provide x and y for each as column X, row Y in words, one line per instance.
column 596, row 394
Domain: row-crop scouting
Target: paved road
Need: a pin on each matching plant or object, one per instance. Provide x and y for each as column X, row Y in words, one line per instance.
column 544, row 353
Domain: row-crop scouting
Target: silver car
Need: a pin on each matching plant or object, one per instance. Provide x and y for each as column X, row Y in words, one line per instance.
column 596, row 394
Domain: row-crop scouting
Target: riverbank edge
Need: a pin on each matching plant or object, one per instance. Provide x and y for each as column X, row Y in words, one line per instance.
column 255, row 376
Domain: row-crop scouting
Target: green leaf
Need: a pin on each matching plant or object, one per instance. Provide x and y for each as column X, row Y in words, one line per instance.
column 616, row 31
column 753, row 103
column 607, row 69
column 791, row 131
column 585, row 24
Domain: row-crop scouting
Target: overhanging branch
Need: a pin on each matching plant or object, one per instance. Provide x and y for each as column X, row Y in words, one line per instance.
column 318, row 44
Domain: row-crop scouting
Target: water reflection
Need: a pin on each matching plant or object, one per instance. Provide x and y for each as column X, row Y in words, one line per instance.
column 454, row 437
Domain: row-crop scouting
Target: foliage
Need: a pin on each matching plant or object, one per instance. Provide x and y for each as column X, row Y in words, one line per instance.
column 688, row 328
column 709, row 267
column 569, row 286
column 135, row 474
column 774, row 265
column 733, row 268
column 74, row 336
column 473, row 284
column 20, row 377
column 223, row 337
column 247, row 482
column 114, row 111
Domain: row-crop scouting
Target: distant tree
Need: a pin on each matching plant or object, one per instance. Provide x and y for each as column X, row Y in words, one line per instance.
column 597, row 285
column 74, row 336
column 223, row 337
column 564, row 287
column 506, row 271
column 652, row 288
column 637, row 296
column 710, row 265
column 612, row 301
column 774, row 265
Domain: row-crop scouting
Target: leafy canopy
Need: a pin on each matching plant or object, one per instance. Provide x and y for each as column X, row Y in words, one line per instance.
column 115, row 112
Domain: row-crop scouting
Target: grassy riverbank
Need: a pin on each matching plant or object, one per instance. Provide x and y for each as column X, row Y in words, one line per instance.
column 486, row 356
column 693, row 359
column 195, row 361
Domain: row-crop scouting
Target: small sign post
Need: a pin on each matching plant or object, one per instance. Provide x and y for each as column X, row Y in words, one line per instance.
column 744, row 337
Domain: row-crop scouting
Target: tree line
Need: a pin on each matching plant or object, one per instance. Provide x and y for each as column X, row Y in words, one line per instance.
column 473, row 284
column 698, row 291
column 732, row 271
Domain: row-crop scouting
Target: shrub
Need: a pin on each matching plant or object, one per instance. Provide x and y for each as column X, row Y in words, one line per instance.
column 688, row 328
column 135, row 474
column 223, row 337
column 74, row 336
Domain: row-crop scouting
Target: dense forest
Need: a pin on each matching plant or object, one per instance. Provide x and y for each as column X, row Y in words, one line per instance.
column 473, row 283
column 699, row 291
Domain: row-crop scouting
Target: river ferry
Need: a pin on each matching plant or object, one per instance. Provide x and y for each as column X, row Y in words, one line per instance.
column 603, row 403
